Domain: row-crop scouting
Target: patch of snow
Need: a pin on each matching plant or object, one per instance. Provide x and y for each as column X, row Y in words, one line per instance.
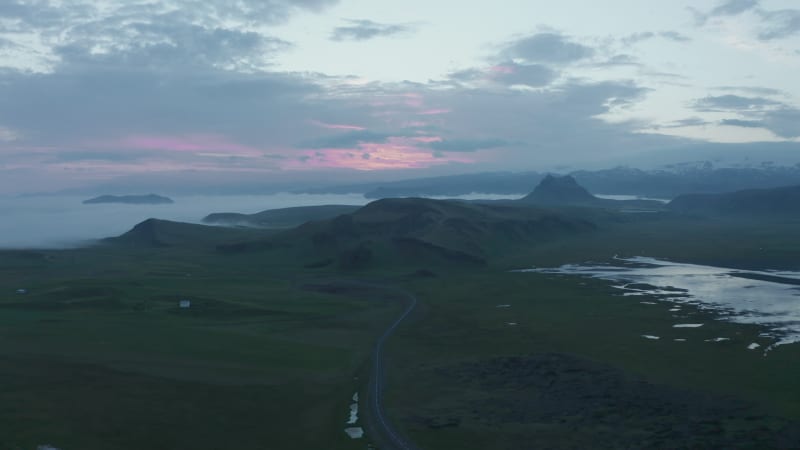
column 355, row 432
column 355, row 397
column 753, row 346
column 680, row 340
column 647, row 336
column 648, row 303
column 687, row 325
column 512, row 324
column 719, row 339
column 675, row 310
column 353, row 414
column 503, row 306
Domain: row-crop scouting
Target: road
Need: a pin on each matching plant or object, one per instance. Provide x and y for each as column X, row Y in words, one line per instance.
column 387, row 436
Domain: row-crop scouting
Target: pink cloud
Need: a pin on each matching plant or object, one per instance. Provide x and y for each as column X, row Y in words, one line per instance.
column 413, row 99
column 434, row 111
column 502, row 69
column 192, row 143
column 334, row 126
column 396, row 153
column 426, row 139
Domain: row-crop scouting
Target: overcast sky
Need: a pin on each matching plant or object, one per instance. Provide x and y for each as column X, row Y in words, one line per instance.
column 309, row 90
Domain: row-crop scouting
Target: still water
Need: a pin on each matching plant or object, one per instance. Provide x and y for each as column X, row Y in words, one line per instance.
column 770, row 298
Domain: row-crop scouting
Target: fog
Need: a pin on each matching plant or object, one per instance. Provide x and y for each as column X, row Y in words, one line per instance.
column 63, row 221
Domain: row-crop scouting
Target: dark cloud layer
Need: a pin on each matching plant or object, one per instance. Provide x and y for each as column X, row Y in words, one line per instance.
column 468, row 145
column 548, row 48
column 742, row 123
column 731, row 102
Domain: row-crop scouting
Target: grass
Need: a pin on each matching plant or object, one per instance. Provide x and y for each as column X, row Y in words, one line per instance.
column 746, row 399
column 97, row 354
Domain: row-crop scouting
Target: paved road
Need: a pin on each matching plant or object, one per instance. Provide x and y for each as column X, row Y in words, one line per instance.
column 388, row 437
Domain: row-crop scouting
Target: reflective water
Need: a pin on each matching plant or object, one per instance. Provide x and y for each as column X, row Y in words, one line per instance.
column 770, row 298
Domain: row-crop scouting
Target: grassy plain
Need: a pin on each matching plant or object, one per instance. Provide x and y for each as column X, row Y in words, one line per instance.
column 97, row 355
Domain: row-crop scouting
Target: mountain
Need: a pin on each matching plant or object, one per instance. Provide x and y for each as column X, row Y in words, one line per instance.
column 565, row 191
column 775, row 201
column 279, row 218
column 419, row 232
column 150, row 199
column 561, row 191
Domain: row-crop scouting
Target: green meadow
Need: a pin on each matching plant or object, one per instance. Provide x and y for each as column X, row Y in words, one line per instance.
column 97, row 354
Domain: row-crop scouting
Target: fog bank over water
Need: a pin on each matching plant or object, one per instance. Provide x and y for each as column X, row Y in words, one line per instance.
column 63, row 221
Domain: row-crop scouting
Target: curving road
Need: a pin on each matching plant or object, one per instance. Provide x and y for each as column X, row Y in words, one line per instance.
column 387, row 437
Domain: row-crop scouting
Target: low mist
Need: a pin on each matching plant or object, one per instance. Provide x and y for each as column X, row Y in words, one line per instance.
column 63, row 221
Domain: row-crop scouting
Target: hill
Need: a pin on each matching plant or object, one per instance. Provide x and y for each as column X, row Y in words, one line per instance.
column 775, row 201
column 279, row 218
column 423, row 231
column 165, row 233
column 149, row 199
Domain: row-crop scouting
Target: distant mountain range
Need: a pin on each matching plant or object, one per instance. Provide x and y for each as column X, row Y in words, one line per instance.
column 666, row 183
column 751, row 202
column 149, row 199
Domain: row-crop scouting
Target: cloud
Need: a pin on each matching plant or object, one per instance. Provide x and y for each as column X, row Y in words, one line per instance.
column 779, row 24
column 732, row 102
column 165, row 35
column 167, row 44
column 733, row 7
column 726, row 8
column 620, row 60
column 784, row 122
column 674, row 36
column 533, row 75
column 508, row 73
column 363, row 30
column 688, row 122
column 7, row 43
column 468, row 145
column 742, row 123
column 345, row 140
column 547, row 48
column 776, row 24
column 756, row 90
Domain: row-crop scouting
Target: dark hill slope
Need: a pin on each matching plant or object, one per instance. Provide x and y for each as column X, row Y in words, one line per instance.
column 164, row 233
column 415, row 230
column 775, row 201
column 280, row 218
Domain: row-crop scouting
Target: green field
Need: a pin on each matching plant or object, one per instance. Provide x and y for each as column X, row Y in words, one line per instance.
column 98, row 355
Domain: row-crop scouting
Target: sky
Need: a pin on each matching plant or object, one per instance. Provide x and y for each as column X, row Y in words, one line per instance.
column 302, row 92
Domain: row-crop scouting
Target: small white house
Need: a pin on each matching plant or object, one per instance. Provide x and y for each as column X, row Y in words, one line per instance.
column 185, row 304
